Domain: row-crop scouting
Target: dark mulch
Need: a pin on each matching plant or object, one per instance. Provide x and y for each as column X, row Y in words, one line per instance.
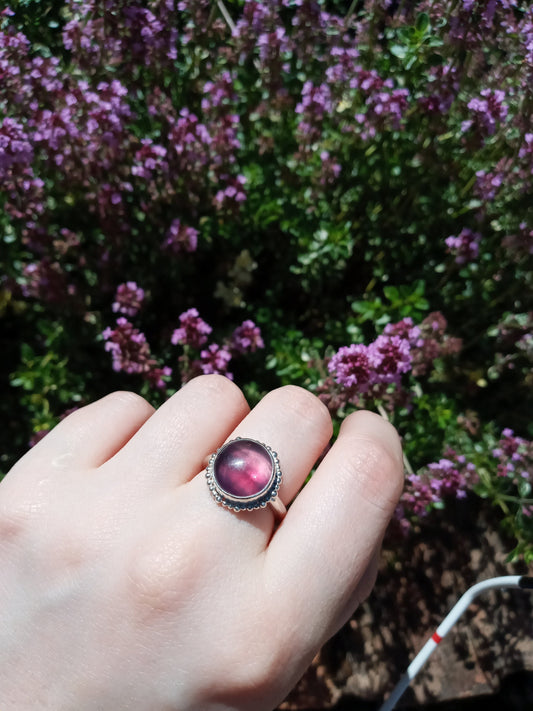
column 486, row 662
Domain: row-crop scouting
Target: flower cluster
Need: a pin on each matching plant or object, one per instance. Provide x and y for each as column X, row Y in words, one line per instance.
column 193, row 330
column 488, row 184
column 16, row 151
column 17, row 179
column 514, row 464
column 131, row 353
column 452, row 476
column 46, row 281
column 232, row 195
column 465, row 246
column 146, row 35
column 442, row 90
column 215, row 358
column 246, row 338
column 402, row 348
column 358, row 367
column 330, row 169
column 128, row 299
column 419, row 497
column 432, row 343
column 526, row 150
column 514, row 457
column 315, row 102
column 487, row 111
column 180, row 238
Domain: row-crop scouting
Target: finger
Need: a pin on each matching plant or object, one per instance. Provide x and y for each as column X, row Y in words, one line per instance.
column 172, row 446
column 361, row 592
column 91, row 435
column 297, row 426
column 320, row 552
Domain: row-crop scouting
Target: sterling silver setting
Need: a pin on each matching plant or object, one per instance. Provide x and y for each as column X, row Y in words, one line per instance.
column 268, row 495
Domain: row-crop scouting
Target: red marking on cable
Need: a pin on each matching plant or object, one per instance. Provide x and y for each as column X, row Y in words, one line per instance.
column 436, row 638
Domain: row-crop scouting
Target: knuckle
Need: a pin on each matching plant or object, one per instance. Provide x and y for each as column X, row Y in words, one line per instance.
column 218, row 387
column 376, row 427
column 149, row 585
column 122, row 399
column 305, row 405
column 161, row 579
column 377, row 470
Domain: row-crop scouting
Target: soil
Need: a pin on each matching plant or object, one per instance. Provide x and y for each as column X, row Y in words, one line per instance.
column 485, row 662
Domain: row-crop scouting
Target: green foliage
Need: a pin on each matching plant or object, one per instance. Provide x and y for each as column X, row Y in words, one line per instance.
column 398, row 303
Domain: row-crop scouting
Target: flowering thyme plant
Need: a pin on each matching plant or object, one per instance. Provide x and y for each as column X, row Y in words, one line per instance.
column 344, row 195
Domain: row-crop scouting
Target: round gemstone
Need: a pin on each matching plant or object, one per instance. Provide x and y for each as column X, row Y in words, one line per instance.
column 243, row 468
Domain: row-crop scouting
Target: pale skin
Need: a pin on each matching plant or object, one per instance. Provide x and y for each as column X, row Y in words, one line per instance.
column 124, row 585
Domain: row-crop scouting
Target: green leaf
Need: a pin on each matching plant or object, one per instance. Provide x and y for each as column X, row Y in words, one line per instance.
column 398, row 51
column 524, row 488
column 422, row 22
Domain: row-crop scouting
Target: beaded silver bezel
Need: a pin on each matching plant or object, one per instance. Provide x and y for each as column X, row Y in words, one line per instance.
column 242, row 503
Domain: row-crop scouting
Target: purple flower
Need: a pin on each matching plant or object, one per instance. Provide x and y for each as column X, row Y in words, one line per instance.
column 488, row 184
column 464, row 247
column 16, row 151
column 351, row 367
column 407, row 330
column 128, row 299
column 143, row 36
column 486, row 110
column 381, row 363
column 128, row 348
column 215, row 359
column 193, row 330
column 232, row 195
column 246, row 338
column 526, row 150
column 330, row 169
column 45, row 280
column 150, row 159
column 390, row 356
column 131, row 353
column 419, row 496
column 315, row 102
column 452, row 478
column 180, row 238
column 156, row 377
column 514, row 456
column 219, row 93
column 452, row 475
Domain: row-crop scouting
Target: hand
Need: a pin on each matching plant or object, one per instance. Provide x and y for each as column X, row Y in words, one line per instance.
column 124, row 585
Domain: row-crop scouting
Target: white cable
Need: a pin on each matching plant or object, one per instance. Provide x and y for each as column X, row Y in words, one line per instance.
column 506, row 581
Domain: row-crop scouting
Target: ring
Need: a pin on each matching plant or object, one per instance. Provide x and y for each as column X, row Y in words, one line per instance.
column 245, row 474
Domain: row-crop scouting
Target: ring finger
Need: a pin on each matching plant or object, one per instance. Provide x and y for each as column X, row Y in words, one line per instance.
column 297, row 426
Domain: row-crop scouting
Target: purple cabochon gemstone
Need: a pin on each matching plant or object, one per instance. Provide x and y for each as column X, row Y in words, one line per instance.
column 243, row 468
